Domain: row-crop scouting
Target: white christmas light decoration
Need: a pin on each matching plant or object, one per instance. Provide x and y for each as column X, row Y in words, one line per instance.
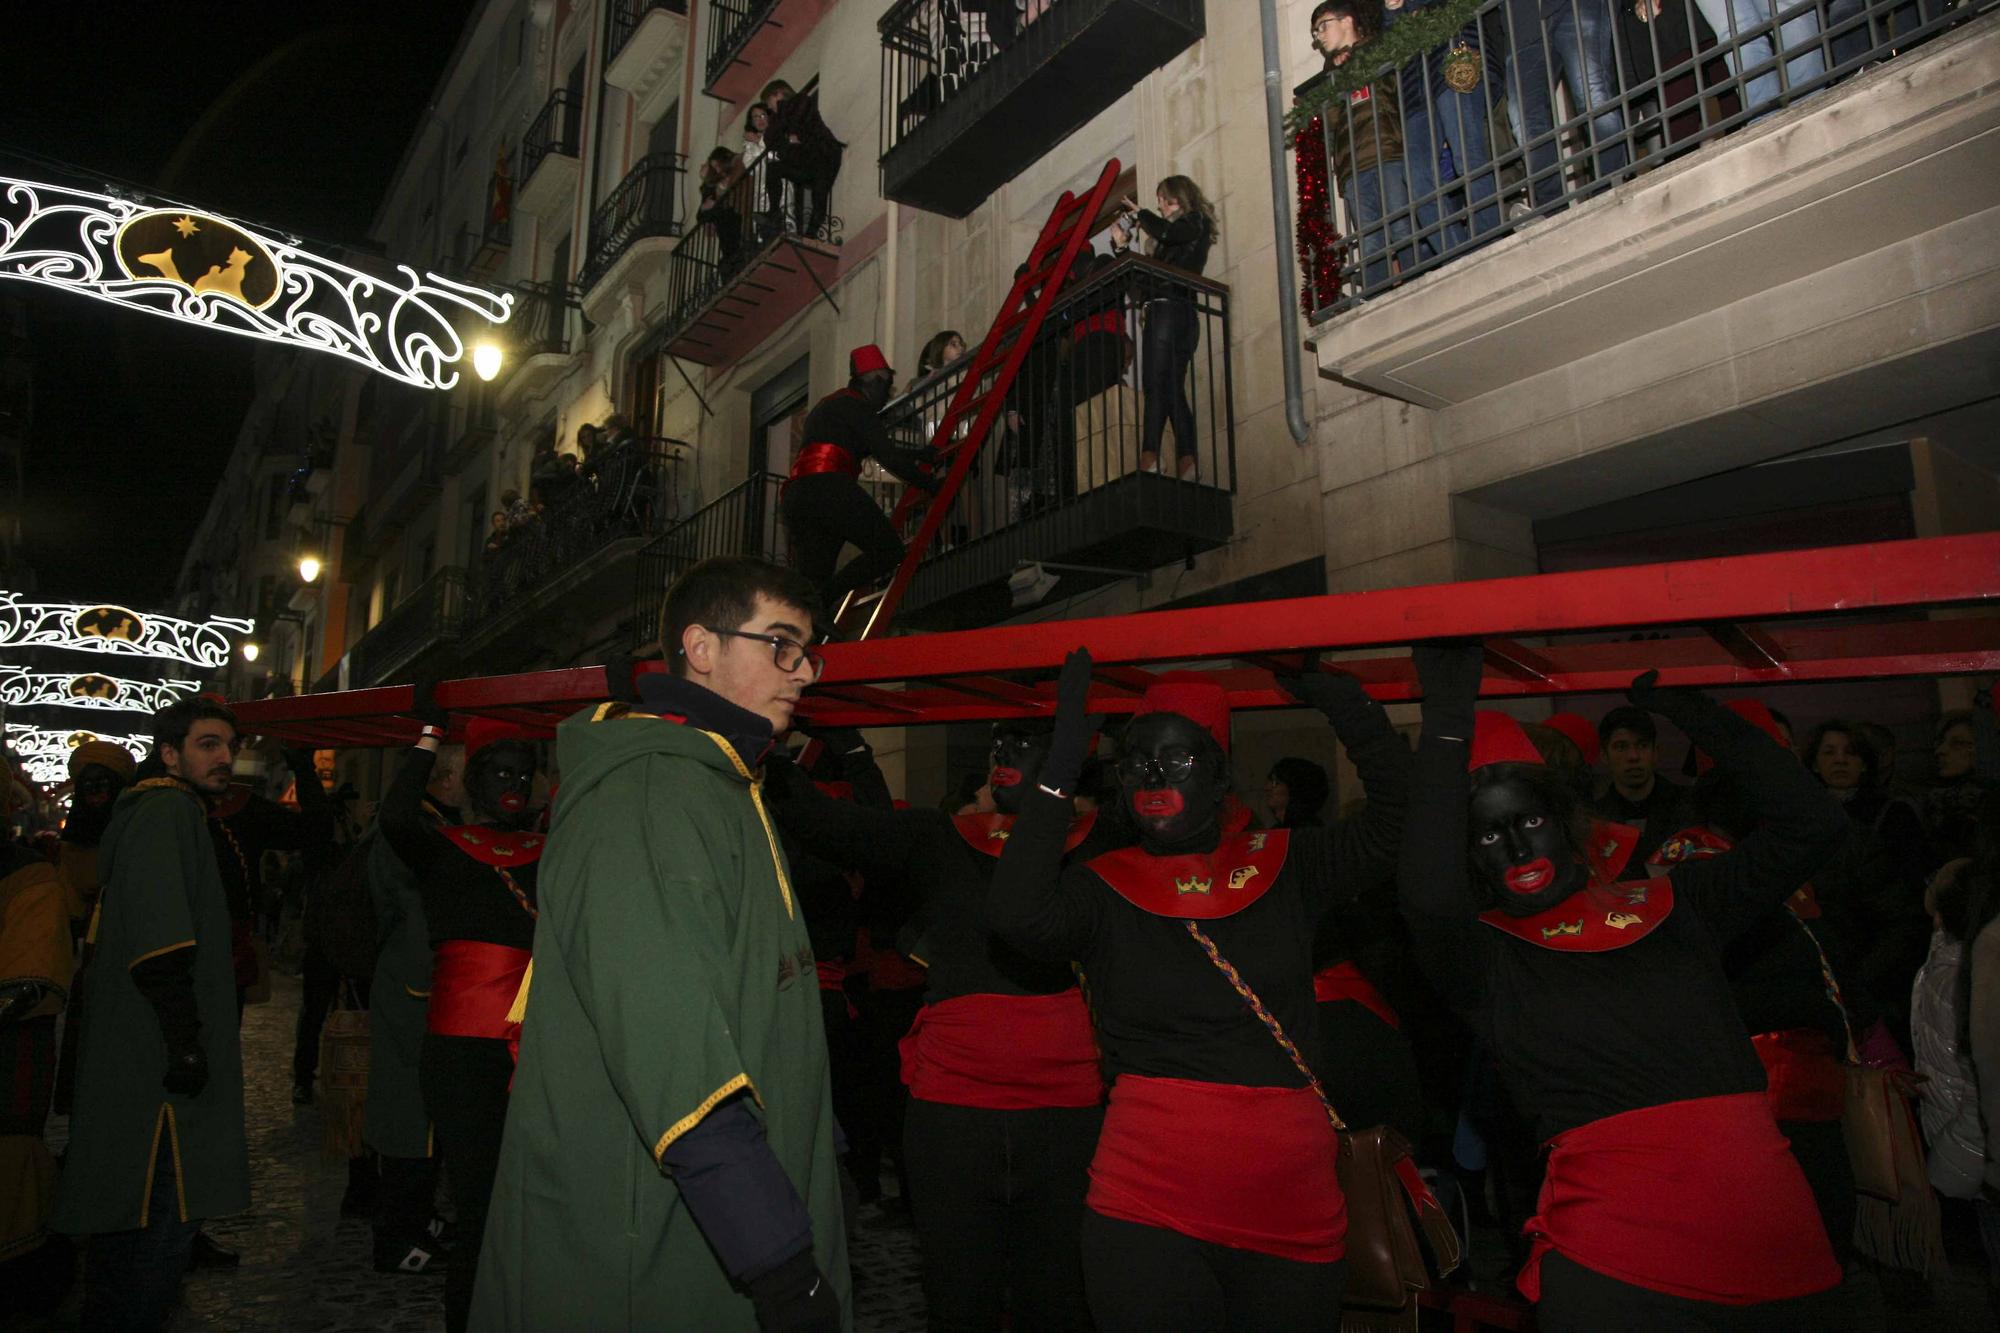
column 204, row 269
column 20, row 687
column 116, row 630
column 36, row 744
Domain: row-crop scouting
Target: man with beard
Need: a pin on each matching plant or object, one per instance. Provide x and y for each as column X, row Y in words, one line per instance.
column 476, row 883
column 1670, row 1200
column 1213, row 1198
column 669, row 1155
column 1005, row 1094
column 156, row 1139
column 823, row 503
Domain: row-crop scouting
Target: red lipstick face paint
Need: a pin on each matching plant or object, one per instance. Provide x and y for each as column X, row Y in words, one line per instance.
column 1004, row 777
column 513, row 803
column 1158, row 803
column 1531, row 878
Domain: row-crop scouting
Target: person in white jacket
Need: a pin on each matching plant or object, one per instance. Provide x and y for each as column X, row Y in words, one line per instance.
column 1950, row 1092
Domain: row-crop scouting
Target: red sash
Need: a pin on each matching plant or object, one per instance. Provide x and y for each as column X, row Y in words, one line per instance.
column 1593, row 920
column 1250, row 1168
column 824, row 457
column 1104, row 321
column 1343, row 981
column 473, row 985
column 1803, row 1079
column 989, row 833
column 496, row 847
column 1202, row 886
column 1004, row 1052
column 1699, row 1199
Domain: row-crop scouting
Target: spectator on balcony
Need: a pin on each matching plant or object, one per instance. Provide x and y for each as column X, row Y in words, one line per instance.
column 804, row 152
column 1181, row 231
column 823, row 504
column 551, row 475
column 1446, row 96
column 1364, row 140
column 521, row 515
column 720, row 174
column 496, row 536
column 1579, row 33
column 943, row 349
column 1733, row 20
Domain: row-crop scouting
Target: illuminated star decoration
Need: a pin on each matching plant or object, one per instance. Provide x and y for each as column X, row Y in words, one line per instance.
column 116, row 630
column 22, row 688
column 397, row 322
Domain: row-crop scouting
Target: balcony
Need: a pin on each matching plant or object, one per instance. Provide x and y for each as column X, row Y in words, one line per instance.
column 549, row 161
column 631, row 234
column 748, row 263
column 1733, row 252
column 964, row 111
column 1057, row 501
column 538, row 350
column 749, row 39
column 742, row 522
column 647, row 39
column 553, row 576
column 477, row 252
column 429, row 619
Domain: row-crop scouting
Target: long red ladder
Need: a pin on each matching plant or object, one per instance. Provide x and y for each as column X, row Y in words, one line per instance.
column 982, row 394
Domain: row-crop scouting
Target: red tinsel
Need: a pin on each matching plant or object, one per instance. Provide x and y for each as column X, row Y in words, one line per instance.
column 1320, row 244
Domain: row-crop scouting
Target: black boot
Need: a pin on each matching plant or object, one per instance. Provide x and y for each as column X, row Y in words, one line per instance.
column 362, row 1181
column 207, row 1254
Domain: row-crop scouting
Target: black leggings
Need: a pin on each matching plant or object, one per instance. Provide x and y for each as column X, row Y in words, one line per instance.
column 465, row 1089
column 1576, row 1299
column 1821, row 1150
column 998, row 1199
column 1151, row 1280
column 824, row 511
column 1172, row 334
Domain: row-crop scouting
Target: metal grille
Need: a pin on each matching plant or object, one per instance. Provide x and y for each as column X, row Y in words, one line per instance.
column 627, row 15
column 553, row 130
column 646, row 203
column 744, row 521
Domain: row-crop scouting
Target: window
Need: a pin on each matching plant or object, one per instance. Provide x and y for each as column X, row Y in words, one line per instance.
column 392, row 590
column 274, row 508
column 427, row 559
column 665, row 134
column 777, row 417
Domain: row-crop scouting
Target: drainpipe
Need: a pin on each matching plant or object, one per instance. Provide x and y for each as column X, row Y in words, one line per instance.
column 1281, row 210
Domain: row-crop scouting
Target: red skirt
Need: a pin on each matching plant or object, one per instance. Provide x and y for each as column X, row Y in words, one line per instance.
column 473, row 985
column 1004, row 1052
column 1250, row 1168
column 1699, row 1199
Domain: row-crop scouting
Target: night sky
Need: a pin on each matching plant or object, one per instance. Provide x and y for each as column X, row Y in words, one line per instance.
column 288, row 114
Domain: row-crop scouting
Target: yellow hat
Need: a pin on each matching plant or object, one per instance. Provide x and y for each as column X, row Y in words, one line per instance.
column 109, row 754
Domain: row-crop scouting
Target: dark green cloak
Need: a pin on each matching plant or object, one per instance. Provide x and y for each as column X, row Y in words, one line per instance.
column 671, row 972
column 162, row 892
column 396, row 1124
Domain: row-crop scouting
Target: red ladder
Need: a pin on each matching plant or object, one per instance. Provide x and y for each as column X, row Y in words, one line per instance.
column 982, row 394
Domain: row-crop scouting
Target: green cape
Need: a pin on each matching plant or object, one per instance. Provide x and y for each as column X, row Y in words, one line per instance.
column 162, row 892
column 671, row 972
column 396, row 1124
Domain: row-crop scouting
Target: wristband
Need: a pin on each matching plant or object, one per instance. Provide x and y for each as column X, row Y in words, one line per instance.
column 1045, row 787
column 429, row 732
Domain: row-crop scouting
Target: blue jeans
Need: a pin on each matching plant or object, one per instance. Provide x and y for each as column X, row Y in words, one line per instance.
column 1580, row 35
column 132, row 1277
column 1446, row 122
column 1732, row 17
column 1371, row 195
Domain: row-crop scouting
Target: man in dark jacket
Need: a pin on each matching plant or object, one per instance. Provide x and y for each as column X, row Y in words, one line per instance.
column 803, row 151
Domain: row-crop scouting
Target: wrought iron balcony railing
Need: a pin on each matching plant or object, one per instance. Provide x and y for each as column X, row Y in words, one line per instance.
column 743, row 521
column 627, row 15
column 1402, row 178
column 646, row 203
column 539, row 324
column 555, row 129
column 731, row 25
column 432, row 615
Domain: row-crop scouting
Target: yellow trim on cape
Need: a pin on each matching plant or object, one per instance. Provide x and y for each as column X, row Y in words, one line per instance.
column 171, row 948
column 700, row 1113
column 764, row 818
column 517, row 1012
column 96, row 915
column 172, row 1122
column 416, row 994
column 154, row 784
column 152, row 1162
column 180, row 1175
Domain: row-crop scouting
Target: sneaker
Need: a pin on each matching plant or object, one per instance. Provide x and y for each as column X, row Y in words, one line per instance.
column 414, row 1259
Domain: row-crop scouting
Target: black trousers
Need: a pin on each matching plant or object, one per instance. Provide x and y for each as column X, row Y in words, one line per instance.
column 465, row 1090
column 825, row 511
column 1821, row 1149
column 1172, row 333
column 998, row 1201
column 405, row 1199
column 1577, row 1300
column 1369, row 1070
column 1151, row 1280
column 322, row 984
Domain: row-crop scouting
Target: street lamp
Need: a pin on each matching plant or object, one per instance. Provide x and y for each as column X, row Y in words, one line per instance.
column 486, row 358
column 308, row 568
column 250, row 650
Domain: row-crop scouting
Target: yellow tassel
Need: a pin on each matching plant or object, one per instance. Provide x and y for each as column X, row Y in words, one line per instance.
column 518, row 1013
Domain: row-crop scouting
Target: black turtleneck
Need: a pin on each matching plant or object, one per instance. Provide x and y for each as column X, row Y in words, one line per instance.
column 748, row 733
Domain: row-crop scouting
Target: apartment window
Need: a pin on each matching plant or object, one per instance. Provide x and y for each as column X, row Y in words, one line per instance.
column 427, row 559
column 477, row 521
column 274, row 508
column 778, row 417
column 665, row 133
column 392, row 590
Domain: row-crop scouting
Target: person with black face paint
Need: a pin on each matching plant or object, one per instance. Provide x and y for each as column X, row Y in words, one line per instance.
column 1005, row 1094
column 477, row 882
column 98, row 771
column 823, row 504
column 1213, row 1200
column 1670, row 1200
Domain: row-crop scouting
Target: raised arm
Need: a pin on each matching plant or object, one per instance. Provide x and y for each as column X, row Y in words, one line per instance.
column 1433, row 881
column 410, row 833
column 1339, row 862
column 1033, row 904
column 846, row 833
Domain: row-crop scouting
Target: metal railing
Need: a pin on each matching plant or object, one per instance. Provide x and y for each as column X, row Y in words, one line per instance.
column 553, row 130
column 433, row 613
column 539, row 322
column 1525, row 110
column 646, row 203
column 627, row 15
column 731, row 25
column 1130, row 372
column 743, row 521
column 623, row 490
column 739, row 217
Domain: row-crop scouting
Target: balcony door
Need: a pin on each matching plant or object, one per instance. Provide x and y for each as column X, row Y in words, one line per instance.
column 777, row 431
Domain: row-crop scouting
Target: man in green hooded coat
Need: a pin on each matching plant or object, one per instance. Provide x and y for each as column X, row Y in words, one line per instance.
column 668, row 1159
column 156, row 1137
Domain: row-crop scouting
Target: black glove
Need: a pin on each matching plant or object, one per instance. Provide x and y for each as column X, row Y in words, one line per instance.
column 424, row 706
column 795, row 1297
column 1645, row 692
column 299, row 760
column 1339, row 698
column 1070, row 745
column 1449, row 672
column 17, row 998
column 187, row 1070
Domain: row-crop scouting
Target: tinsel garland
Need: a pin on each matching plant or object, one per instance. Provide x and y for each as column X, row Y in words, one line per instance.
column 1320, row 243
column 1416, row 32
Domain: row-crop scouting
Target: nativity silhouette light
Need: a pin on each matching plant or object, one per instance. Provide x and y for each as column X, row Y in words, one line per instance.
column 203, row 269
column 21, row 688
column 116, row 630
column 44, row 751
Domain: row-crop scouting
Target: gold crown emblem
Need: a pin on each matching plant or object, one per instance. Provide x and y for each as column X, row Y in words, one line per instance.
column 1242, row 875
column 1257, row 841
column 1620, row 920
column 1562, row 928
column 1195, row 884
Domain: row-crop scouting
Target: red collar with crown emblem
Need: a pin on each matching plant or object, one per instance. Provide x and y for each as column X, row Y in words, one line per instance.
column 1202, row 886
column 1698, row 840
column 989, row 833
column 1611, row 846
column 1593, row 920
column 496, row 847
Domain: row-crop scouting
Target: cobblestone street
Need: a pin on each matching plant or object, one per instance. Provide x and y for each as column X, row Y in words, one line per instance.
column 307, row 1270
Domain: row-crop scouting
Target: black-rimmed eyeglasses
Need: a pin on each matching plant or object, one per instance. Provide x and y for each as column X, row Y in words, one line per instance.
column 786, row 653
column 1147, row 773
